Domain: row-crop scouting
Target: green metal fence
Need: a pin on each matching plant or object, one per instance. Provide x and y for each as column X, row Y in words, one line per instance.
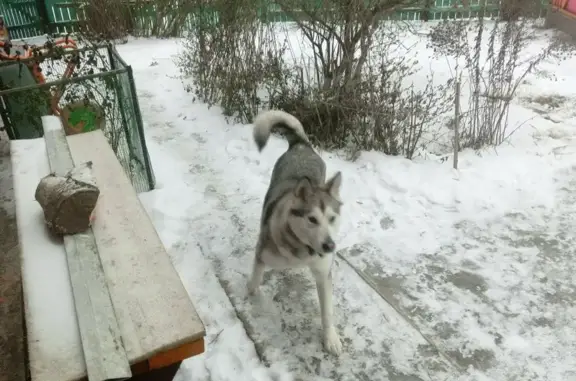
column 446, row 9
column 138, row 159
column 23, row 19
column 62, row 15
column 435, row 10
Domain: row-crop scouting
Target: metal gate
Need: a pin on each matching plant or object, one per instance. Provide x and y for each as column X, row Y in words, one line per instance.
column 62, row 15
column 21, row 17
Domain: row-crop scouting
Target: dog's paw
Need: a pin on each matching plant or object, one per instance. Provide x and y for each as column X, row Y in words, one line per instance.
column 332, row 342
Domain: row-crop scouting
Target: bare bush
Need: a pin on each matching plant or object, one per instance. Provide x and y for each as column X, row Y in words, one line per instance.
column 493, row 60
column 231, row 55
column 401, row 120
column 342, row 82
column 114, row 20
column 358, row 98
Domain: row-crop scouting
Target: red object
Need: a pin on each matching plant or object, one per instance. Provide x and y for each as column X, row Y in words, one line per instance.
column 571, row 6
column 559, row 3
column 65, row 43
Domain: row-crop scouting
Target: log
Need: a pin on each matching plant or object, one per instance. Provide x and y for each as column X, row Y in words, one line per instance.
column 68, row 201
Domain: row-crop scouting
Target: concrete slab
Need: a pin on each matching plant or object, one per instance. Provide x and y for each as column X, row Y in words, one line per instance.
column 12, row 349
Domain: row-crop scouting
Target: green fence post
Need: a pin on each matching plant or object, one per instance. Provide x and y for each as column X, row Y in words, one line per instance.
column 140, row 125
column 43, row 20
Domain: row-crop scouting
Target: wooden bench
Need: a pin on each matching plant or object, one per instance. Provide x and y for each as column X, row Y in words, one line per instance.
column 159, row 325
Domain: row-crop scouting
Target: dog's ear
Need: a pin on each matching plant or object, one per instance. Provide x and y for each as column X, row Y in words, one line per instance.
column 303, row 189
column 332, row 186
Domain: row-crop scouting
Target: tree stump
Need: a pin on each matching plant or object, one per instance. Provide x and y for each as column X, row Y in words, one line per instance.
column 68, row 201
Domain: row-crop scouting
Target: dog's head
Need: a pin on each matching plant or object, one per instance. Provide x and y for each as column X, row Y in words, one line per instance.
column 314, row 214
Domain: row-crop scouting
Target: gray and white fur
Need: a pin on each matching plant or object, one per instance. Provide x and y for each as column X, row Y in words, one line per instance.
column 300, row 216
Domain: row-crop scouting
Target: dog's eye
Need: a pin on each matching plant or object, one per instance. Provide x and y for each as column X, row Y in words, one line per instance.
column 313, row 220
column 332, row 219
column 298, row 212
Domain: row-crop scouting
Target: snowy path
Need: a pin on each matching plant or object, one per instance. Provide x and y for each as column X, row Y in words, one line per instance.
column 500, row 296
column 218, row 217
column 479, row 260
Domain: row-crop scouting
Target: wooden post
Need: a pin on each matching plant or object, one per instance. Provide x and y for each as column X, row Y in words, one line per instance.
column 456, row 122
column 102, row 344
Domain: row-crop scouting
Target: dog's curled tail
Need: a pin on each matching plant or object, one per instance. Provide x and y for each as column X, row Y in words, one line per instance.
column 267, row 120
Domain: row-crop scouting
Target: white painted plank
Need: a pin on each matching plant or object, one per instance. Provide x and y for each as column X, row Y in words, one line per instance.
column 54, row 344
column 102, row 345
column 59, row 157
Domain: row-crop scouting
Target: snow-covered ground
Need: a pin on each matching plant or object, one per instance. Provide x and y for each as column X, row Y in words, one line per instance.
column 476, row 265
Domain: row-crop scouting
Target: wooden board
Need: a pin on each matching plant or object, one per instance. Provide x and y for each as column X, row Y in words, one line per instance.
column 568, row 14
column 104, row 353
column 154, row 311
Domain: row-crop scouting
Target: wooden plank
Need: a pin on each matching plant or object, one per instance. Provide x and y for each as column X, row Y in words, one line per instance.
column 102, row 345
column 145, row 370
column 567, row 14
column 173, row 356
column 153, row 308
column 163, row 374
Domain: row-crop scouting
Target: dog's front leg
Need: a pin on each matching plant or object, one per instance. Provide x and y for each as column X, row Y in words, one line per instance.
column 257, row 269
column 256, row 277
column 323, row 276
column 257, row 274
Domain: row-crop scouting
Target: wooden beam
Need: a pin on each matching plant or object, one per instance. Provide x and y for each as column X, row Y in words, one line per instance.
column 158, row 367
column 163, row 374
column 567, row 14
column 176, row 355
column 102, row 344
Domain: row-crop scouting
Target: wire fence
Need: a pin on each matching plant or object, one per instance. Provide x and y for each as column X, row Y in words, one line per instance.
column 99, row 94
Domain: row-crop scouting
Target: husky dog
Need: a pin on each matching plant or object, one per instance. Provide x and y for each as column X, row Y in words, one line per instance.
column 300, row 216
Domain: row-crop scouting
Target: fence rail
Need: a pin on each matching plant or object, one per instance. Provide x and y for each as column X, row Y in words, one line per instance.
column 24, row 20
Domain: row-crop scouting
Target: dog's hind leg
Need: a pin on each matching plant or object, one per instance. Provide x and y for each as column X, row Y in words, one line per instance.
column 323, row 276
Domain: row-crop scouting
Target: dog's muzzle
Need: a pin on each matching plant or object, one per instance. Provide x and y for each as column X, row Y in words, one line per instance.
column 328, row 246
